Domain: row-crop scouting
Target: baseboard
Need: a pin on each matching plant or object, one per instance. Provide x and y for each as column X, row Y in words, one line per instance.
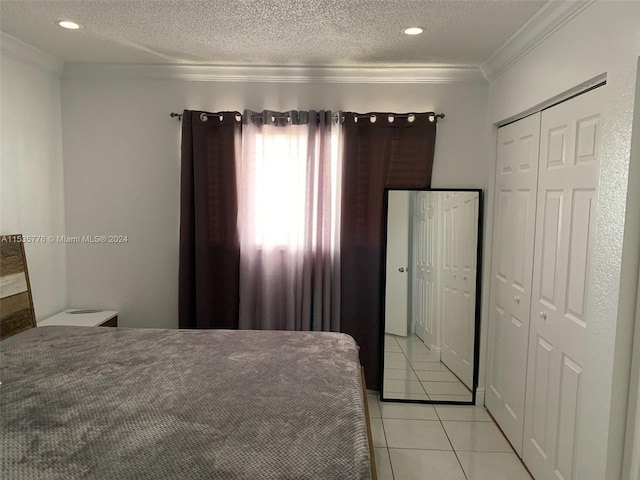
column 435, row 350
column 480, row 391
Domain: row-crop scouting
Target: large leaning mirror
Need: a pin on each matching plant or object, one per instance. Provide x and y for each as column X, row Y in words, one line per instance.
column 431, row 305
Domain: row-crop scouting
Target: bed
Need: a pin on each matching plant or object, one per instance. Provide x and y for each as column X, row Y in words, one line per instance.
column 118, row 403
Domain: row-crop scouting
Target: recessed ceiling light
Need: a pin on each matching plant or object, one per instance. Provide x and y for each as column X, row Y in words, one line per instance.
column 68, row 24
column 413, row 31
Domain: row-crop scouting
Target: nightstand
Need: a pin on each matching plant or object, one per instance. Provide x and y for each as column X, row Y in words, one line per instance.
column 103, row 318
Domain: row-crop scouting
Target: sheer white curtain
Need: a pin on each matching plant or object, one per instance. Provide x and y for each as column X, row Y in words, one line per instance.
column 289, row 221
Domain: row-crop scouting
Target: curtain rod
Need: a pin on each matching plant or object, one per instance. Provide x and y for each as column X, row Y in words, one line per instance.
column 335, row 115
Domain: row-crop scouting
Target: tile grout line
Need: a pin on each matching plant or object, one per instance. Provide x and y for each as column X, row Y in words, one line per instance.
column 448, row 370
column 393, row 476
column 441, row 421
column 513, row 450
column 452, row 447
column 414, row 372
column 413, row 369
column 412, row 339
column 386, row 442
column 384, row 433
column 382, row 393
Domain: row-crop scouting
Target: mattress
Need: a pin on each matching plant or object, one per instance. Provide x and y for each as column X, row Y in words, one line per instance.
column 117, row 403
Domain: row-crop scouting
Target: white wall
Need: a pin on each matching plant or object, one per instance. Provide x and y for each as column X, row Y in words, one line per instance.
column 632, row 438
column 602, row 39
column 122, row 168
column 31, row 168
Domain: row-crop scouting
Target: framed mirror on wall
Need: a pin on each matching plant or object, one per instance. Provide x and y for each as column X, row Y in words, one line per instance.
column 431, row 273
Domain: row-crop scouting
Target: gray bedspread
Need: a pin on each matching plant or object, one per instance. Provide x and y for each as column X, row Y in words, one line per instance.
column 117, row 403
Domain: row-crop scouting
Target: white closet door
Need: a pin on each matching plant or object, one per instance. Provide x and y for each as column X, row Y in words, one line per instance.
column 458, row 278
column 568, row 174
column 432, row 260
column 420, row 287
column 511, row 274
column 397, row 286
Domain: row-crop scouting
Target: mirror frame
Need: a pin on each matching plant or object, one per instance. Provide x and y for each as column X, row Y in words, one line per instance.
column 383, row 282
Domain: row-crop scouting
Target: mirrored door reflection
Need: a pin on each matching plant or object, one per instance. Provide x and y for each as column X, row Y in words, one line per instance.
column 430, row 295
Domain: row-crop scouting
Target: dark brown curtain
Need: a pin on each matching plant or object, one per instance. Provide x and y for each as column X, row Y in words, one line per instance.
column 209, row 246
column 377, row 155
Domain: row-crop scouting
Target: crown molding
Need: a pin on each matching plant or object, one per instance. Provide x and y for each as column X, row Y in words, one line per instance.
column 550, row 18
column 266, row 74
column 25, row 53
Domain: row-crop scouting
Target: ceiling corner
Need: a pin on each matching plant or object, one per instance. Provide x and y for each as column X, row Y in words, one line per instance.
column 550, row 18
column 29, row 55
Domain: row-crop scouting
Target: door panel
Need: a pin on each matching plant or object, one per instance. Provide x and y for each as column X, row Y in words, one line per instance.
column 511, row 277
column 421, row 318
column 397, row 291
column 570, row 383
column 569, row 158
column 540, row 435
column 460, row 212
column 551, row 217
column 427, row 271
column 581, row 225
column 433, row 260
column 521, row 206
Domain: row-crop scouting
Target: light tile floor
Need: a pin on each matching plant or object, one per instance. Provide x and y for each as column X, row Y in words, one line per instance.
column 412, row 371
column 416, row 442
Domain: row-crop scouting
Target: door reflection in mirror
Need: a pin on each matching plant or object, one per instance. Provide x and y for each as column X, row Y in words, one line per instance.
column 431, row 299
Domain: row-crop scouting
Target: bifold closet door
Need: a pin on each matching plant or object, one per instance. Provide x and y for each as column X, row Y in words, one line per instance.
column 425, row 270
column 418, row 267
column 511, row 274
column 568, row 175
column 460, row 213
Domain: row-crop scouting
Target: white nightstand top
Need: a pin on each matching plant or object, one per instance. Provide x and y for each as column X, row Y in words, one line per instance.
column 78, row 319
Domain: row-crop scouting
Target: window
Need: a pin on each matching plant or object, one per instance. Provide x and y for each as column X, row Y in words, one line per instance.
column 289, row 186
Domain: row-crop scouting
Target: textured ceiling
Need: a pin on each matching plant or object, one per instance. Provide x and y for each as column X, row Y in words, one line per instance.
column 269, row 32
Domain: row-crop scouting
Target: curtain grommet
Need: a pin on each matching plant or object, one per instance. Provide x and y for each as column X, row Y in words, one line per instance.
column 373, row 118
column 411, row 118
column 203, row 117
